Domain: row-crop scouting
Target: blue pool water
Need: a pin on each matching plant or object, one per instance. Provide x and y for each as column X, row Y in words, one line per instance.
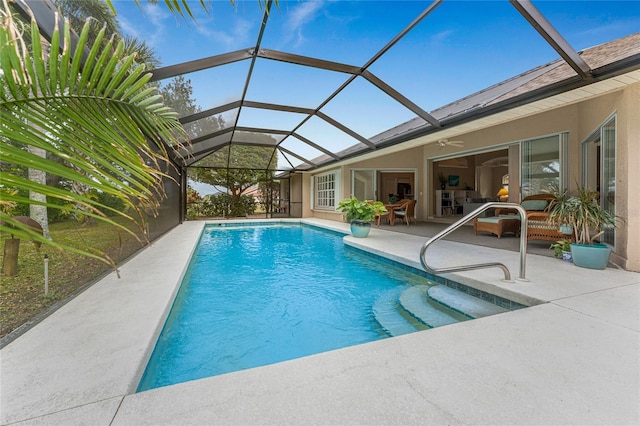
column 259, row 295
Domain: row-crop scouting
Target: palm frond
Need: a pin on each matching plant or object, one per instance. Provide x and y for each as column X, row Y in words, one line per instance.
column 106, row 124
column 181, row 7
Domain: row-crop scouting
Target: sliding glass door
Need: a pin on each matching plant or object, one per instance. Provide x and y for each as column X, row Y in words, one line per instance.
column 543, row 165
column 363, row 184
column 599, row 169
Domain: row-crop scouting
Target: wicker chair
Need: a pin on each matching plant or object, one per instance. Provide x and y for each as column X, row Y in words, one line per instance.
column 538, row 225
column 405, row 211
column 497, row 225
column 380, row 216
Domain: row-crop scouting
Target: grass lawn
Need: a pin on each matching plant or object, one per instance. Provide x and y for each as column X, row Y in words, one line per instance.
column 22, row 297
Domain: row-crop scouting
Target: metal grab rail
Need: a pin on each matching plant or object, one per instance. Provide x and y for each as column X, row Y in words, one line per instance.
column 465, row 219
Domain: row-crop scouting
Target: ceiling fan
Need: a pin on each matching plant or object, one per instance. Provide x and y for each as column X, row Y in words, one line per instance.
column 447, row 142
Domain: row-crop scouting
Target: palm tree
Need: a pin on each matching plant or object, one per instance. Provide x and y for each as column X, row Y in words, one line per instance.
column 97, row 15
column 78, row 11
column 100, row 15
column 51, row 102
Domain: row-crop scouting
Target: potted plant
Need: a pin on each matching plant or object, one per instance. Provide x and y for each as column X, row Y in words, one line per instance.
column 443, row 180
column 360, row 213
column 589, row 220
column 560, row 210
column 562, row 250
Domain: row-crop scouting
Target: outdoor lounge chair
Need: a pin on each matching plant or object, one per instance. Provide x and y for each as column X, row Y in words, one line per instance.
column 497, row 225
column 538, row 225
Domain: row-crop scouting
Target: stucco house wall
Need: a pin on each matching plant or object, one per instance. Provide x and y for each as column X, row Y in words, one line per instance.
column 579, row 120
column 408, row 160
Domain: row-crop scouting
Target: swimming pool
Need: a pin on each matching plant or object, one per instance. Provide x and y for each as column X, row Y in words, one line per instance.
column 257, row 295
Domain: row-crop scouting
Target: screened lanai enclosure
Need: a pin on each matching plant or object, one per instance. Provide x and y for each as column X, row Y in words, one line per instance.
column 266, row 98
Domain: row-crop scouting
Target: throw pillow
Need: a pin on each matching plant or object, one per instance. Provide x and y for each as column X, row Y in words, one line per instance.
column 534, row 204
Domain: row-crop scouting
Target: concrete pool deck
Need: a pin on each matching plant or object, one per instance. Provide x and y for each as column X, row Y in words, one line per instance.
column 573, row 358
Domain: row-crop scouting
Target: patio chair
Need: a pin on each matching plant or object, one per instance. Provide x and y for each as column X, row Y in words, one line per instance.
column 384, row 216
column 405, row 211
column 388, row 215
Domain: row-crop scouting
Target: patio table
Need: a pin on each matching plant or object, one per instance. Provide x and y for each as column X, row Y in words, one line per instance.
column 391, row 216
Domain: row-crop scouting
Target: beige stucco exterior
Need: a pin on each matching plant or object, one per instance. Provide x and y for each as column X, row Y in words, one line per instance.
column 578, row 119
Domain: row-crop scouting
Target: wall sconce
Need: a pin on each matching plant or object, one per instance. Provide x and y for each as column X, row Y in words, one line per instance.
column 503, row 194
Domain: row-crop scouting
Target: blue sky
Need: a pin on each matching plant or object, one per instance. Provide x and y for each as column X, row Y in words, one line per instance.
column 460, row 48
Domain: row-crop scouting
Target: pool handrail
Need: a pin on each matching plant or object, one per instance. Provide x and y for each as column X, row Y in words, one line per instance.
column 465, row 219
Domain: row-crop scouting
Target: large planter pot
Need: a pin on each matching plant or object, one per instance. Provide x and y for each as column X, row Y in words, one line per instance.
column 592, row 257
column 360, row 229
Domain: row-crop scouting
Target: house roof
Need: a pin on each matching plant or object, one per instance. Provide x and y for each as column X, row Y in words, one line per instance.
column 605, row 61
column 553, row 76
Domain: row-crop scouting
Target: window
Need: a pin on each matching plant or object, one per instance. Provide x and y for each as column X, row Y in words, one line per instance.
column 326, row 191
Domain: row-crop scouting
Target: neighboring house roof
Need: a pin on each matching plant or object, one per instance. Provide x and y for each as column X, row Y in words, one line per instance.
column 253, row 190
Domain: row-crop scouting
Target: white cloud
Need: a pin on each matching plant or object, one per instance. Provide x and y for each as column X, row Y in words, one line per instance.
column 128, row 27
column 203, row 188
column 238, row 36
column 216, row 36
column 603, row 31
column 156, row 16
column 299, row 17
column 441, row 37
column 242, row 29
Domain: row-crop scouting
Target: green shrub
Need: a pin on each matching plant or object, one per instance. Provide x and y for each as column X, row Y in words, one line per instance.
column 110, row 201
column 222, row 205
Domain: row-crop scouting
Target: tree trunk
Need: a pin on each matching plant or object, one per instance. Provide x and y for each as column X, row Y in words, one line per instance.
column 38, row 212
column 10, row 260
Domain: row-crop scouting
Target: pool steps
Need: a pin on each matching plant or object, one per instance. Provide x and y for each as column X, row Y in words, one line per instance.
column 405, row 311
column 415, row 301
column 463, row 302
column 392, row 319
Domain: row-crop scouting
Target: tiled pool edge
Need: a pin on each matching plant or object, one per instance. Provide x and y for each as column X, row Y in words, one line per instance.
column 411, row 259
column 496, row 300
column 275, row 222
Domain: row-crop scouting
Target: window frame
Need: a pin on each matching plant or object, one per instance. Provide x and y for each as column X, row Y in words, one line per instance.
column 562, row 160
column 326, row 190
column 604, row 175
